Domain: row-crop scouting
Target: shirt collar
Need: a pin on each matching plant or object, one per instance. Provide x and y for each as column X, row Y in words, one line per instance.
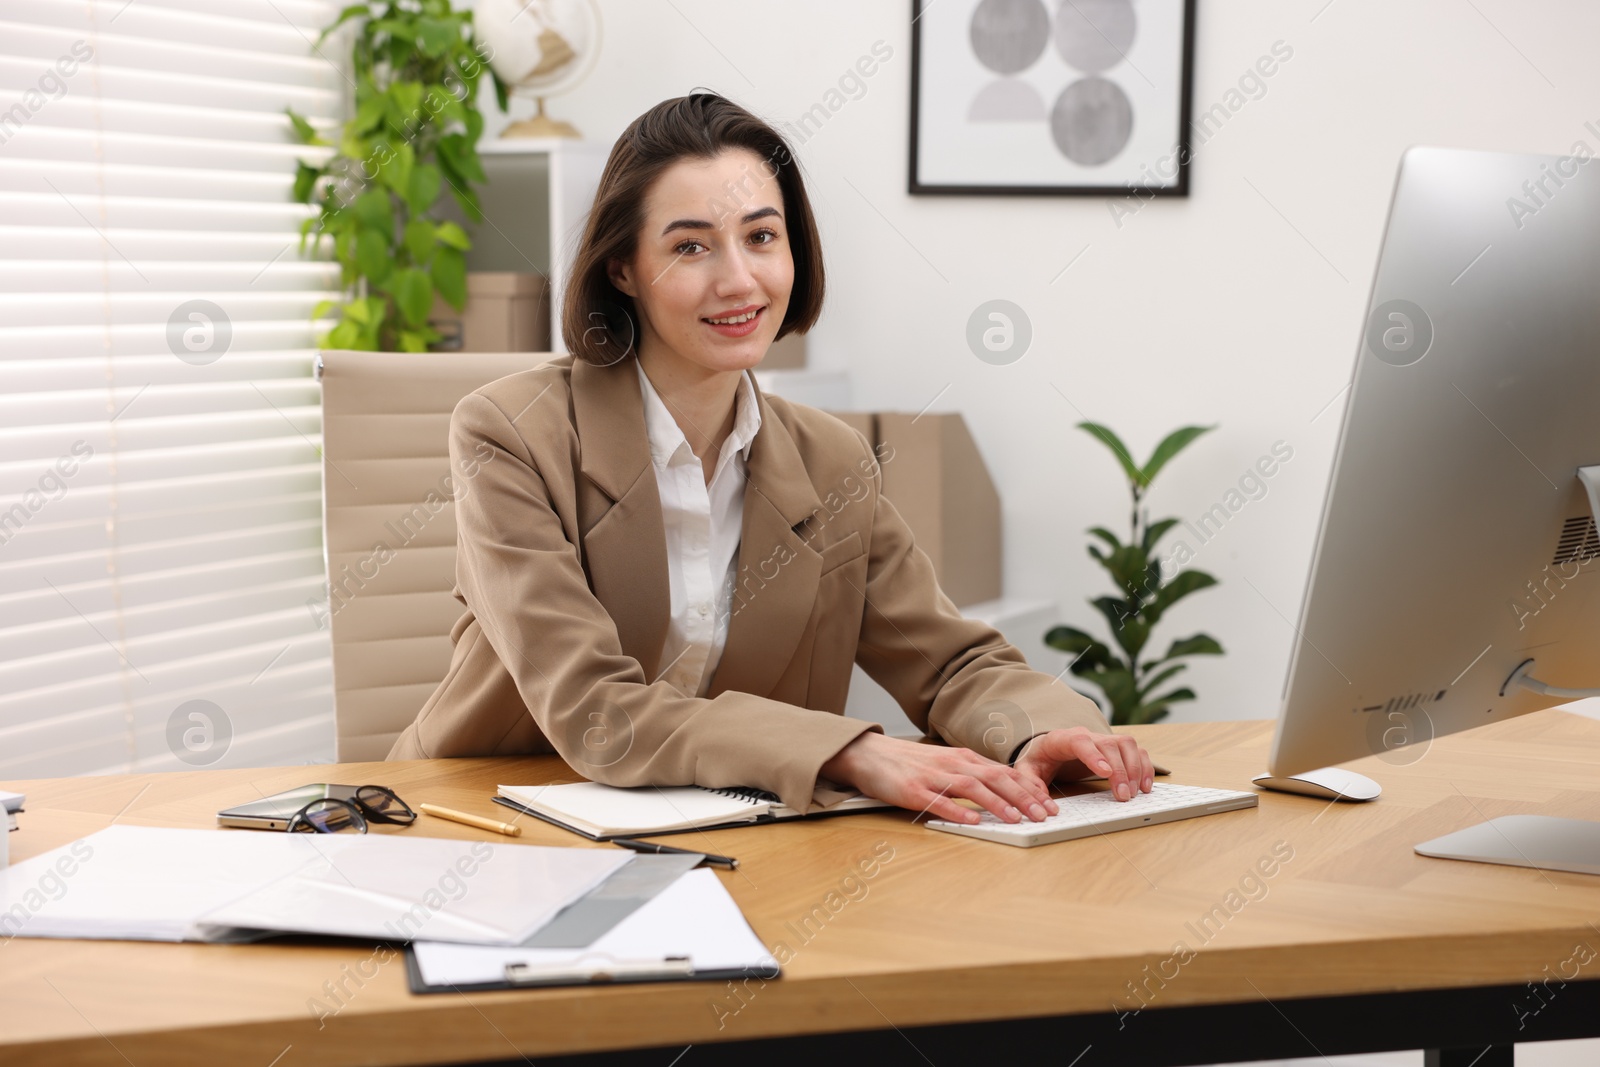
column 666, row 437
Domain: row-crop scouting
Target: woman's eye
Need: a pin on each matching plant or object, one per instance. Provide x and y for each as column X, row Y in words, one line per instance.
column 764, row 233
column 683, row 249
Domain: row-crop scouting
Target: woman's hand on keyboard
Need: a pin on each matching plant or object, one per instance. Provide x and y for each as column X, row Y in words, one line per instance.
column 1074, row 753
column 927, row 778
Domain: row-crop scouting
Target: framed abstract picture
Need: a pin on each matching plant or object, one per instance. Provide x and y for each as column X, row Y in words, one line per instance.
column 1051, row 97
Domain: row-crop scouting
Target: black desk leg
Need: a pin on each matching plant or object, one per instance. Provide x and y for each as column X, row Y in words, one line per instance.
column 1488, row 1056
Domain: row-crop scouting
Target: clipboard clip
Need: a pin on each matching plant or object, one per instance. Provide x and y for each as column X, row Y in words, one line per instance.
column 599, row 967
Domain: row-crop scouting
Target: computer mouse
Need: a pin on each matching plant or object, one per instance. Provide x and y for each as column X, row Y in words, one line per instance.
column 1329, row 783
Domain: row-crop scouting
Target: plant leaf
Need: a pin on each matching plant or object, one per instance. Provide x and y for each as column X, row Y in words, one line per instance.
column 372, row 255
column 1120, row 450
column 1089, row 653
column 1171, row 445
column 1115, row 610
column 305, row 182
column 1069, row 639
column 459, row 156
column 1198, row 645
column 1117, row 685
column 1155, row 532
column 394, row 28
column 1145, row 714
column 1129, row 629
column 345, row 335
column 1182, row 584
column 348, row 13
column 1176, row 695
column 374, row 212
column 468, row 201
column 434, row 36
column 1129, row 569
column 303, row 128
column 419, row 241
column 449, row 269
column 413, row 295
column 450, row 234
column 369, row 114
column 1107, row 536
column 395, row 173
column 1151, row 682
column 423, row 189
column 403, row 107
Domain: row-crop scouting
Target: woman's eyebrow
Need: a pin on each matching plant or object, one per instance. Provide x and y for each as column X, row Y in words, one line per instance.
column 701, row 224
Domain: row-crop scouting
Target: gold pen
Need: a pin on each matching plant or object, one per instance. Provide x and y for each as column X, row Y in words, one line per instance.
column 472, row 820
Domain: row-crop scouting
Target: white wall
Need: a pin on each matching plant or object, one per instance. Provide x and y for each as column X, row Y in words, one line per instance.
column 1240, row 305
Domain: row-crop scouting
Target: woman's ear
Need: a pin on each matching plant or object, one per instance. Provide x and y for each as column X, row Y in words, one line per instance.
column 621, row 276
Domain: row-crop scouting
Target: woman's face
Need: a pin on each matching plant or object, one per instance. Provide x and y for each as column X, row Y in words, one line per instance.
column 715, row 245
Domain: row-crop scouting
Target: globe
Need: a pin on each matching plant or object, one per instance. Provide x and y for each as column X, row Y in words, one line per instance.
column 541, row 48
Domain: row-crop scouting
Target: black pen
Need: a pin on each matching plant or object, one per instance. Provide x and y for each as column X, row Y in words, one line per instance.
column 645, row 846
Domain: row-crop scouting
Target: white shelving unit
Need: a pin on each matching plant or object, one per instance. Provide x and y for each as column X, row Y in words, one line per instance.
column 535, row 204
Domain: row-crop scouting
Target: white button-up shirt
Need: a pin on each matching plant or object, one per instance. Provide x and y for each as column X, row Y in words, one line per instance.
column 704, row 524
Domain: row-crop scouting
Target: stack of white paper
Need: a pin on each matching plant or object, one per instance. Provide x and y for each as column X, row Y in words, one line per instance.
column 147, row 883
column 11, row 803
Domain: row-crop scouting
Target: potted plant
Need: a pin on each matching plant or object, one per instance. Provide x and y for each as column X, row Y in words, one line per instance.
column 1127, row 681
column 411, row 141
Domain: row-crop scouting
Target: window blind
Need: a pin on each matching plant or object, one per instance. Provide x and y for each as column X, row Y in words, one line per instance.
column 160, row 494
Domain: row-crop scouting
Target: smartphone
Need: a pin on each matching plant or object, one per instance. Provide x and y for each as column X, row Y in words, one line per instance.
column 274, row 812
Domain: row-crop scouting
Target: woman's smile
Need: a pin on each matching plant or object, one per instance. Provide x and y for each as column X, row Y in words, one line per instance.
column 738, row 322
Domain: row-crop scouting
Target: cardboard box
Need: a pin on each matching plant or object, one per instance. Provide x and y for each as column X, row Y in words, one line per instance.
column 865, row 421
column 787, row 353
column 936, row 479
column 506, row 311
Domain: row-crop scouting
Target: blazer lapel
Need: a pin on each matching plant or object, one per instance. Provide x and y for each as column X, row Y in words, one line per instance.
column 775, row 580
column 624, row 537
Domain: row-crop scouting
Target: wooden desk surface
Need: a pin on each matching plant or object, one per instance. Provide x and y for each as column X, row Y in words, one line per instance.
column 946, row 929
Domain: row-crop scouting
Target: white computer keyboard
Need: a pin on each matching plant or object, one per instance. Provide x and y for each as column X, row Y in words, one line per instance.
column 1091, row 814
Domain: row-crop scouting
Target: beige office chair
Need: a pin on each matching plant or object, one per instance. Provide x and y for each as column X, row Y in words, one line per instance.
column 389, row 530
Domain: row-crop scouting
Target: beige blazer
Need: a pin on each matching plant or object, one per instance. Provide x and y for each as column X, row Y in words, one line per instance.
column 561, row 566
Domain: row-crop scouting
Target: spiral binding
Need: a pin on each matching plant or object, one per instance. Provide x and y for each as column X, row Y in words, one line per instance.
column 745, row 792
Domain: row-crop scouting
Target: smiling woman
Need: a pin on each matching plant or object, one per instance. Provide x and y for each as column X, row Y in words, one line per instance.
column 597, row 559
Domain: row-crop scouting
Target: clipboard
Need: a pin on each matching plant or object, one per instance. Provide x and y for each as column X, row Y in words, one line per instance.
column 592, row 969
column 690, row 931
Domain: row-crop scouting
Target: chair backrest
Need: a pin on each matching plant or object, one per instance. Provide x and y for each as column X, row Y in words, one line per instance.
column 389, row 530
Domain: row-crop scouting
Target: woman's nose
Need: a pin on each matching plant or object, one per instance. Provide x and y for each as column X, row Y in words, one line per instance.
column 735, row 275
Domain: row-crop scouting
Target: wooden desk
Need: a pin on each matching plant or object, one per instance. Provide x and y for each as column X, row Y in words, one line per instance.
column 947, row 936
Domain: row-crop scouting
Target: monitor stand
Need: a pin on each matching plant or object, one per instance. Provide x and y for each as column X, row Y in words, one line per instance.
column 1544, row 842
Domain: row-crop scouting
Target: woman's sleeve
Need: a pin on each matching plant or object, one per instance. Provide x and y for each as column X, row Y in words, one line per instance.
column 953, row 676
column 521, row 577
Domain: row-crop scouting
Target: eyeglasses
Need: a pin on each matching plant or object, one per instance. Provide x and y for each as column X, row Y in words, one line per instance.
column 371, row 803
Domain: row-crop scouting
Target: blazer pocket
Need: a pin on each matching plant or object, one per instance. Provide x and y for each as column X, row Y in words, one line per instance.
column 840, row 552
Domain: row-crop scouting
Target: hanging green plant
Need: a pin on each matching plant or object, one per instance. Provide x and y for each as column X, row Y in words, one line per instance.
column 411, row 141
column 1129, row 684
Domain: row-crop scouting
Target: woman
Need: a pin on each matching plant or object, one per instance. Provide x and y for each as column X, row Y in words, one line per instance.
column 668, row 574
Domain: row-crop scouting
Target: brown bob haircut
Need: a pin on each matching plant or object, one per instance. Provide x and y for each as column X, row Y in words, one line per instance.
column 599, row 322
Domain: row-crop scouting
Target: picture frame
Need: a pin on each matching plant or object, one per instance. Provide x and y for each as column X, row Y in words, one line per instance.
column 1051, row 97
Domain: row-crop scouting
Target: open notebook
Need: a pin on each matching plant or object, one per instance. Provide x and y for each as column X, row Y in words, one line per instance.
column 601, row 812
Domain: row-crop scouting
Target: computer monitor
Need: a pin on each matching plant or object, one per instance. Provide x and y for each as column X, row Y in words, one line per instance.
column 1457, row 554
